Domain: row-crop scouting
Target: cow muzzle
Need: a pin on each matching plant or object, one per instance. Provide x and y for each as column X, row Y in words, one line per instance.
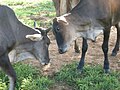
column 62, row 49
column 44, row 64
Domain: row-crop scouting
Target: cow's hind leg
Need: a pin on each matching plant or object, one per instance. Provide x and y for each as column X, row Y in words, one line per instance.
column 116, row 48
column 76, row 47
column 105, row 49
column 8, row 69
column 84, row 49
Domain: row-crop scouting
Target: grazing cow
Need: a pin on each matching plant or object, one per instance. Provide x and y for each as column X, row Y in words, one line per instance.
column 14, row 34
column 85, row 20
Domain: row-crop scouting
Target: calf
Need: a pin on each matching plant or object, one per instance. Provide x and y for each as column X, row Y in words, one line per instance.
column 14, row 34
column 87, row 20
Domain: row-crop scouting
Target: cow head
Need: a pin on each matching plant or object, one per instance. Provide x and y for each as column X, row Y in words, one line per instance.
column 64, row 33
column 41, row 44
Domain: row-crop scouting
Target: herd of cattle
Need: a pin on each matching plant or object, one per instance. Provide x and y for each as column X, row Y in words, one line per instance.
column 87, row 20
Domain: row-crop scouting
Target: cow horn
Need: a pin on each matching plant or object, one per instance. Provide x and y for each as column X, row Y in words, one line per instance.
column 35, row 24
column 35, row 37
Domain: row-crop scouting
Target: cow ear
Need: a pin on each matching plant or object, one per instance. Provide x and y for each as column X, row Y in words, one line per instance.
column 35, row 37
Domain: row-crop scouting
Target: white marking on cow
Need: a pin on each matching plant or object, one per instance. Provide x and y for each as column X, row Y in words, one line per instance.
column 34, row 37
column 62, row 18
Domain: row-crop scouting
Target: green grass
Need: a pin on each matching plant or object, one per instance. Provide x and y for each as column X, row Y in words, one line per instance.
column 28, row 78
column 92, row 78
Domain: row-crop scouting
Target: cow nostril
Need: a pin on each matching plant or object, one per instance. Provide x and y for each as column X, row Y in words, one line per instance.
column 45, row 64
column 61, row 51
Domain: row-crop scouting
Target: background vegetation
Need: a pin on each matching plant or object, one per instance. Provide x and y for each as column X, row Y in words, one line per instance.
column 29, row 77
column 29, row 10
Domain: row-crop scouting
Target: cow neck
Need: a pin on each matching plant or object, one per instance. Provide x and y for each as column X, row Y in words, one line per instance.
column 22, row 31
column 19, row 30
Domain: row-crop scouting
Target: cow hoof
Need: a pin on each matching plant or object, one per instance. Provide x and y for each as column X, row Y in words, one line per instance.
column 107, row 71
column 113, row 54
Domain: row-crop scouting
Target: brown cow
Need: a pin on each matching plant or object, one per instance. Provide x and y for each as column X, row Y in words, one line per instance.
column 85, row 20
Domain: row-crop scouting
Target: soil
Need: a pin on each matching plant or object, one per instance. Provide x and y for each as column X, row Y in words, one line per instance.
column 94, row 55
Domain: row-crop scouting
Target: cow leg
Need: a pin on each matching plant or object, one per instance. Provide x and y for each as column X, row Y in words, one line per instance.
column 7, row 68
column 76, row 47
column 105, row 49
column 116, row 48
column 84, row 49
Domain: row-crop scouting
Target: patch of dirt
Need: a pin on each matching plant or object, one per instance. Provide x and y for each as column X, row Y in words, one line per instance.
column 94, row 55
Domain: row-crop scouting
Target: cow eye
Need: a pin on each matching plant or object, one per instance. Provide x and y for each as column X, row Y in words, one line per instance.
column 57, row 29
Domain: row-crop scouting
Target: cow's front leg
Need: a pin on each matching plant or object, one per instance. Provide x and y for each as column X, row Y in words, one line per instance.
column 8, row 69
column 105, row 49
column 84, row 49
column 116, row 48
